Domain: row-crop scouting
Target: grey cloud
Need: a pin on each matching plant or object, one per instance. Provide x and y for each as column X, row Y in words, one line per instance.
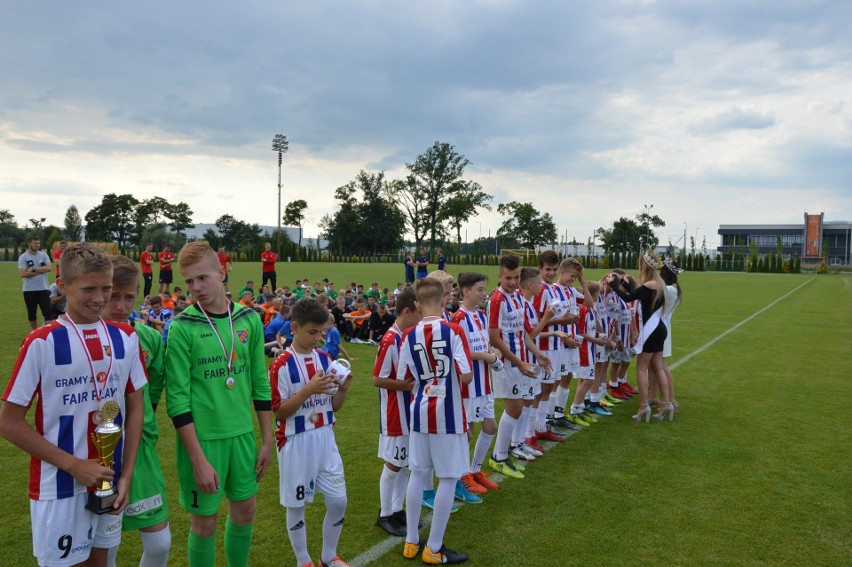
column 732, row 119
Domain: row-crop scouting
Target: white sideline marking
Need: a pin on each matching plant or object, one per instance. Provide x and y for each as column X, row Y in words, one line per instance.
column 389, row 543
column 701, row 349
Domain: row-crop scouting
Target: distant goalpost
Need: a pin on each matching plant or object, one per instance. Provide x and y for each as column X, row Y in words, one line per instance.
column 528, row 257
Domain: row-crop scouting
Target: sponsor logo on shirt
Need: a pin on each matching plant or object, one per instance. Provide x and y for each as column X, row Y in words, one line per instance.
column 243, row 336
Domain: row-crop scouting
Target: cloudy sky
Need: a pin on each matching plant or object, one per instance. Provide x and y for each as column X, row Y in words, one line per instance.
column 716, row 112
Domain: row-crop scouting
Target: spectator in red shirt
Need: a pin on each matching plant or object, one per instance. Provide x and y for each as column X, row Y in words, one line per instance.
column 268, row 257
column 57, row 254
column 227, row 264
column 146, row 262
column 167, row 258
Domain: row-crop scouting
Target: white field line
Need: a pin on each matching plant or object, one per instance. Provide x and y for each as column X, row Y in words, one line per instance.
column 392, row 542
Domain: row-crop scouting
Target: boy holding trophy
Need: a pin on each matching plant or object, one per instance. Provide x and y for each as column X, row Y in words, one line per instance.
column 85, row 377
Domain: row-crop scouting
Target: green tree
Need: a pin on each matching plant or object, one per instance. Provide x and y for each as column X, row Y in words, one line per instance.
column 294, row 215
column 157, row 210
column 463, row 205
column 238, row 235
column 160, row 235
column 212, row 238
column 73, row 224
column 10, row 233
column 526, row 225
column 624, row 236
column 113, row 220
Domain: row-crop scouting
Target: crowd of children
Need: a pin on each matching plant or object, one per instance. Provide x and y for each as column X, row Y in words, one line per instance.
column 446, row 350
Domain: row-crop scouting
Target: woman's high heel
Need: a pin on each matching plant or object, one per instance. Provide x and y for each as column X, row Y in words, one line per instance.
column 674, row 404
column 644, row 411
column 666, row 409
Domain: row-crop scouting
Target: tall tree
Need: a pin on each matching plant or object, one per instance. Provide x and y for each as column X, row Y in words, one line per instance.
column 113, row 220
column 435, row 177
column 73, row 224
column 294, row 215
column 10, row 233
column 526, row 225
column 180, row 217
column 459, row 208
column 630, row 236
column 412, row 199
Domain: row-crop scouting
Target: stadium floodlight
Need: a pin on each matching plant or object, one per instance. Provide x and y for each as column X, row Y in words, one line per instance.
column 280, row 145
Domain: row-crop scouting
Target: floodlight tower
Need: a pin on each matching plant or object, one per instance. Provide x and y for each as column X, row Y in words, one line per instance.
column 280, row 145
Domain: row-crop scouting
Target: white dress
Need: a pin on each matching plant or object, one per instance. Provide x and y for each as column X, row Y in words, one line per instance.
column 672, row 302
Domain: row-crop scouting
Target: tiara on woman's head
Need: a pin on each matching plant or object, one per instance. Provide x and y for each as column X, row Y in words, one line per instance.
column 672, row 265
column 651, row 261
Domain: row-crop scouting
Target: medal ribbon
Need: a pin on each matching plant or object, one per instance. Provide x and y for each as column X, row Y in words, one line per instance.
column 98, row 391
column 219, row 337
column 303, row 374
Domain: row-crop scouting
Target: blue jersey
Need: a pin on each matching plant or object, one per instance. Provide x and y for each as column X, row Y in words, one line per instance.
column 332, row 342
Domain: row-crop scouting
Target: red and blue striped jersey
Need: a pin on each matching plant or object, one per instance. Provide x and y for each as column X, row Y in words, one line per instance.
column 53, row 372
column 506, row 312
column 551, row 294
column 435, row 354
column 289, row 373
column 474, row 325
column 394, row 405
column 530, row 322
column 587, row 325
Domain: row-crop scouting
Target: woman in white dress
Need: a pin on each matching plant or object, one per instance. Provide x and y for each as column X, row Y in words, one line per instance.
column 669, row 273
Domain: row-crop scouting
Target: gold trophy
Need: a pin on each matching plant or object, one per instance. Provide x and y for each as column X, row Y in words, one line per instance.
column 106, row 437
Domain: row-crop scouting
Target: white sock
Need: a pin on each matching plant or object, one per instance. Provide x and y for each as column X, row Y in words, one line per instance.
column 577, row 409
column 520, row 428
column 504, row 437
column 480, row 451
column 430, row 482
column 297, row 532
column 614, row 383
column 332, row 525
column 441, row 514
column 561, row 400
column 551, row 402
column 156, row 546
column 387, row 483
column 399, row 489
column 112, row 552
column 541, row 417
column 595, row 397
column 413, row 502
column 532, row 416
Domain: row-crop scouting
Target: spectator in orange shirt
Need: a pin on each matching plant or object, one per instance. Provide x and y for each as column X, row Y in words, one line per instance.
column 355, row 322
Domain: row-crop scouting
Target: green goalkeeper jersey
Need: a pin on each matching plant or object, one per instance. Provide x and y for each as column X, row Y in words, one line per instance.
column 151, row 345
column 197, row 372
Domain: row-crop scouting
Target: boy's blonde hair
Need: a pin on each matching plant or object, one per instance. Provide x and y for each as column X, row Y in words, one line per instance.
column 429, row 291
column 443, row 277
column 593, row 287
column 83, row 258
column 647, row 272
column 124, row 271
column 570, row 263
column 194, row 252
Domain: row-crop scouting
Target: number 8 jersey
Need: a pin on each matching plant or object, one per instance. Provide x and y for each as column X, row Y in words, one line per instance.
column 435, row 354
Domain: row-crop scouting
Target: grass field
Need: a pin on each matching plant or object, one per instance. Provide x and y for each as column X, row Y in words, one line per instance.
column 755, row 469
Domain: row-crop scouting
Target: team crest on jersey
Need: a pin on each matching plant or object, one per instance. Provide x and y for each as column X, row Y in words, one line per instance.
column 243, row 335
column 107, row 350
column 145, row 355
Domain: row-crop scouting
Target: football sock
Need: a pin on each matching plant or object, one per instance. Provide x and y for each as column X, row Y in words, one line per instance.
column 112, row 553
column 614, row 383
column 520, row 428
column 480, row 451
column 387, row 484
column 577, row 409
column 595, row 397
column 441, row 514
column 201, row 551
column 541, row 417
column 532, row 414
column 561, row 399
column 504, row 436
column 332, row 525
column 238, row 543
column 298, row 535
column 399, row 489
column 413, row 502
column 155, row 547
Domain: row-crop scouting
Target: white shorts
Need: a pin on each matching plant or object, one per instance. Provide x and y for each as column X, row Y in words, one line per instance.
column 448, row 454
column 570, row 362
column 509, row 383
column 532, row 388
column 310, row 463
column 393, row 449
column 602, row 354
column 618, row 356
column 479, row 408
column 556, row 358
column 585, row 373
column 64, row 532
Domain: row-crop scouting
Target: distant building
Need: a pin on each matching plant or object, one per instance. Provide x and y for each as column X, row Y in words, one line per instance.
column 813, row 240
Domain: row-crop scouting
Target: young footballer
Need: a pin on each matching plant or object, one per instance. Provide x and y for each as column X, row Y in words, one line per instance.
column 436, row 356
column 148, row 509
column 215, row 373
column 590, row 331
column 79, row 372
column 478, row 397
column 394, row 403
column 305, row 398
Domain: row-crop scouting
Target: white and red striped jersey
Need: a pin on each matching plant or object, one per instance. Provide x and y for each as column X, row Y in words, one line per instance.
column 54, row 372
column 506, row 312
column 435, row 354
column 621, row 316
column 394, row 405
column 530, row 321
column 602, row 315
column 289, row 373
column 587, row 325
column 575, row 299
column 474, row 325
column 447, row 316
column 551, row 294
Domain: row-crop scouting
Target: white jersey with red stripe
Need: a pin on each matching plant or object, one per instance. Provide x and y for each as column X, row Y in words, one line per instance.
column 474, row 325
column 54, row 372
column 621, row 315
column 506, row 313
column 602, row 315
column 575, row 299
column 587, row 325
column 551, row 294
column 435, row 354
column 394, row 405
column 530, row 322
column 289, row 373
